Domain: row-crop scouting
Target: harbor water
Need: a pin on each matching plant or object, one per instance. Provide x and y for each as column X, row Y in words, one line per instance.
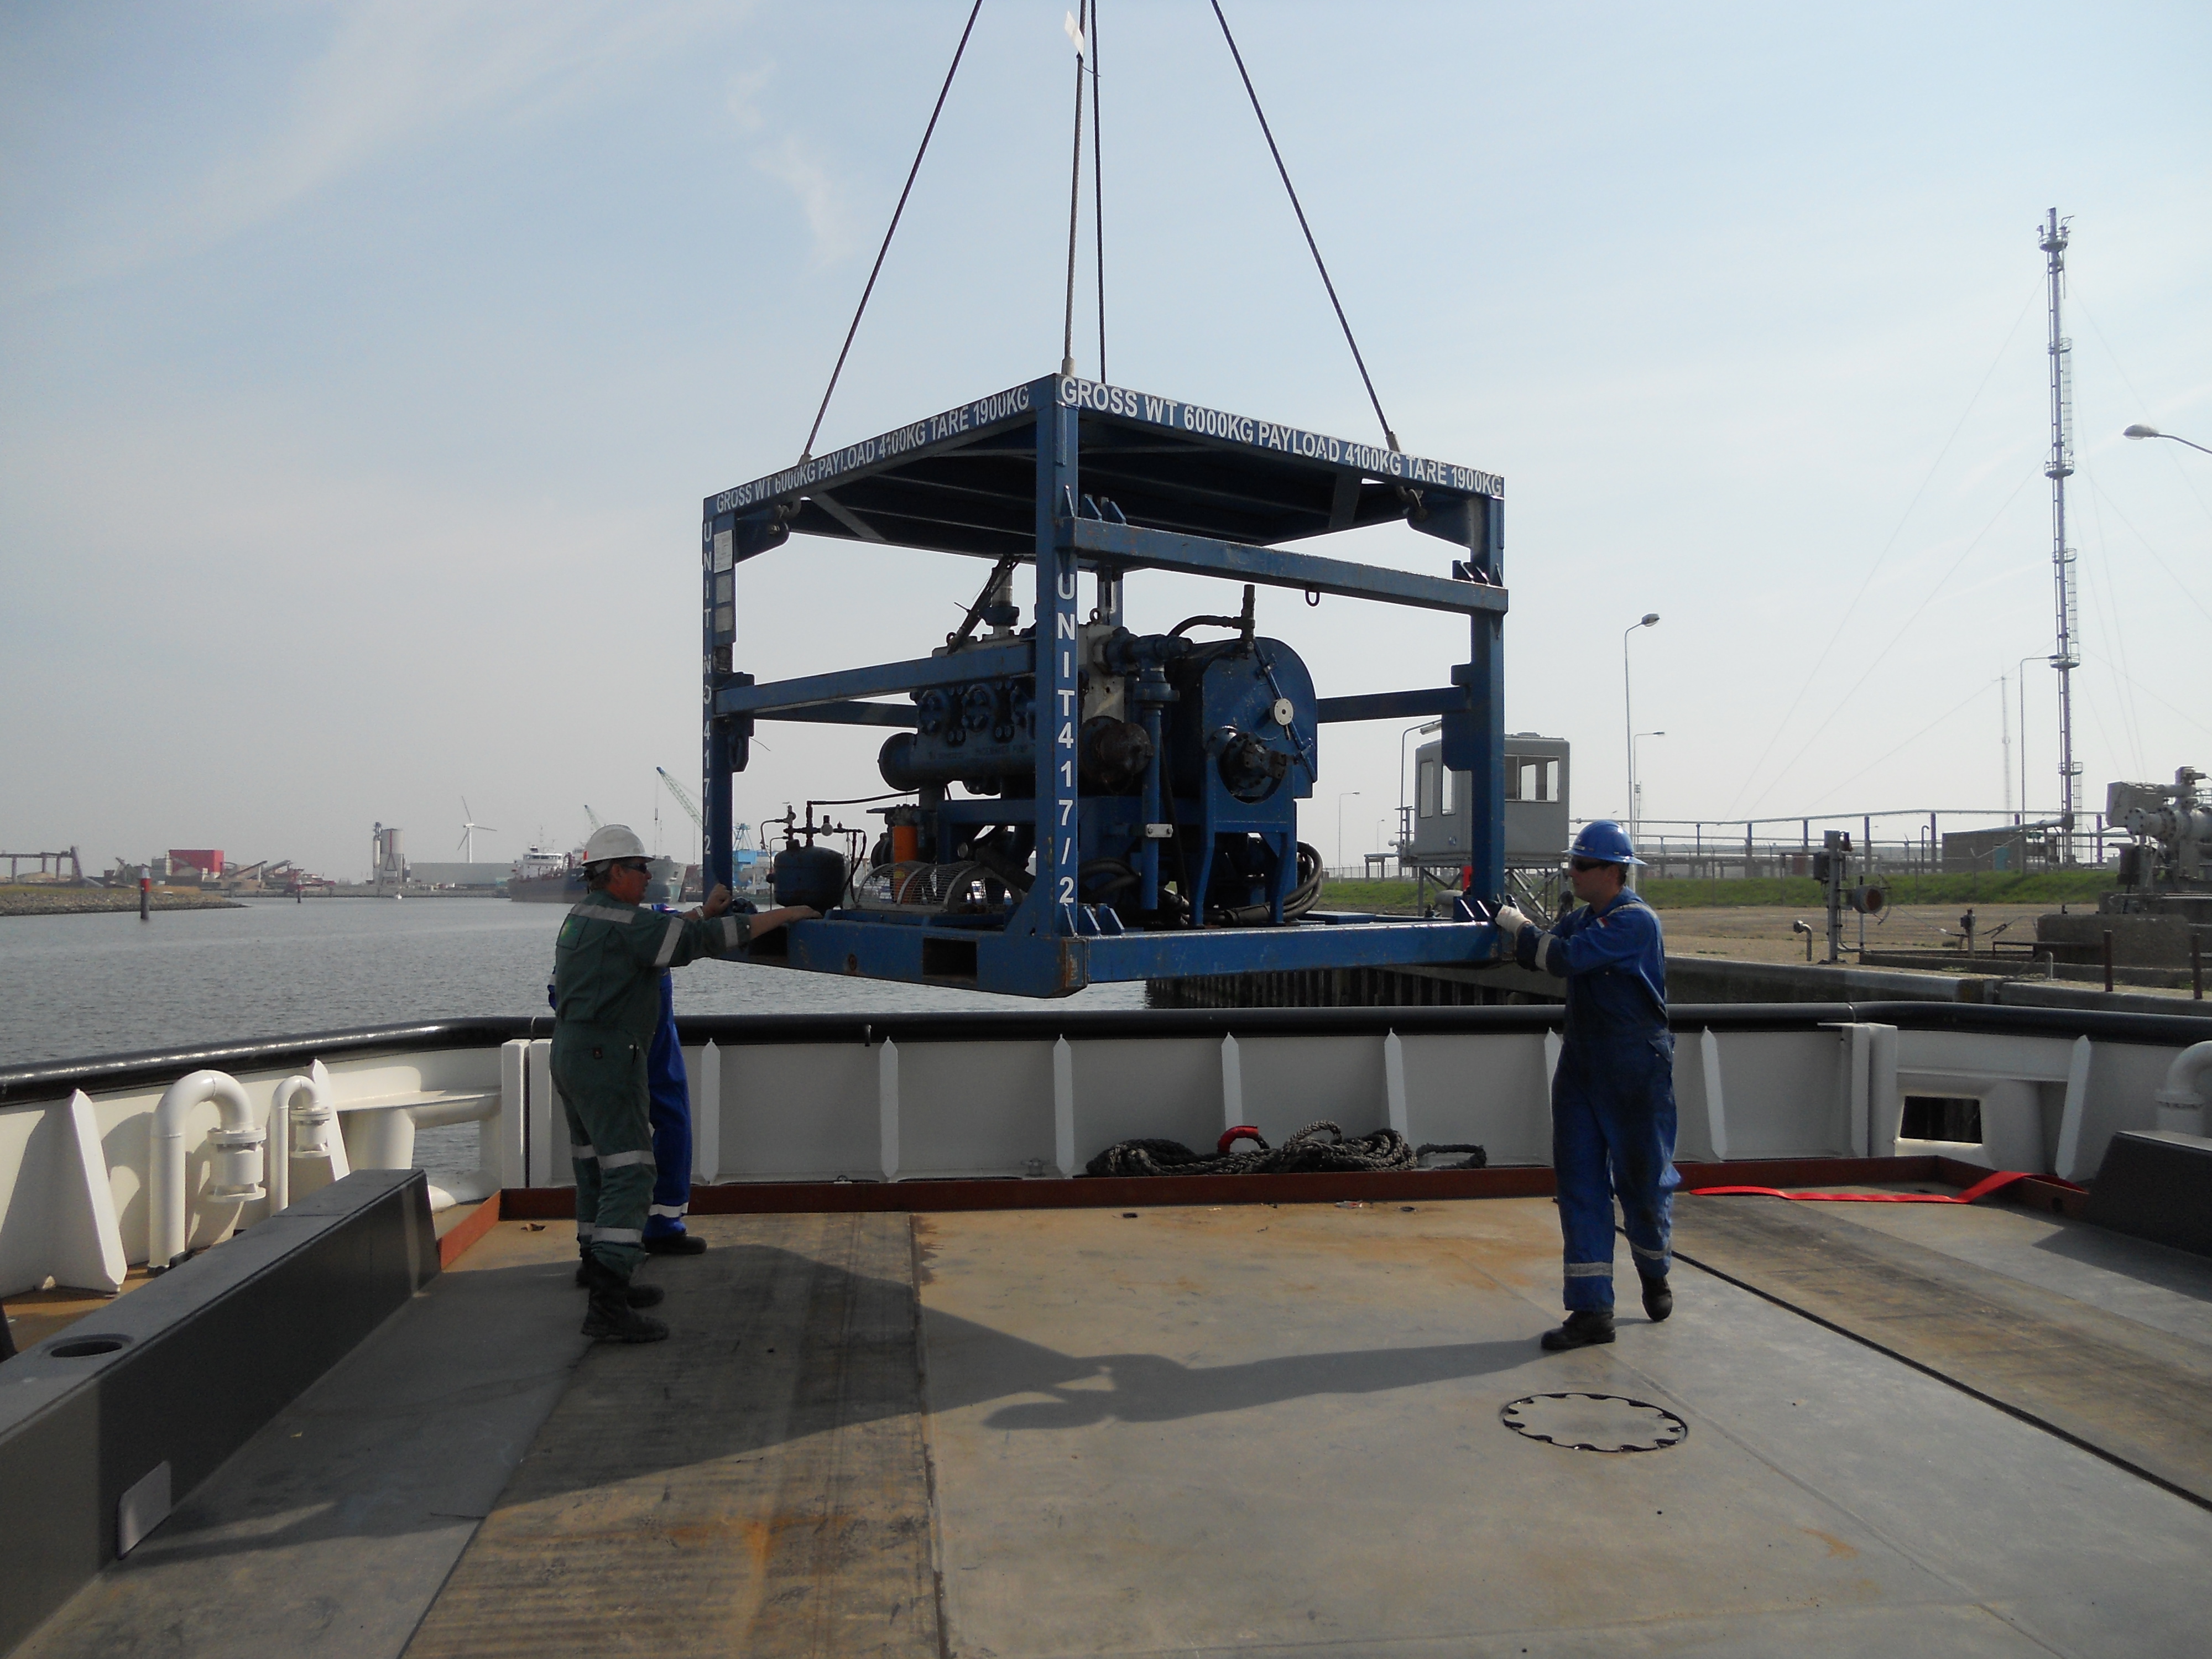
column 72, row 987
column 79, row 985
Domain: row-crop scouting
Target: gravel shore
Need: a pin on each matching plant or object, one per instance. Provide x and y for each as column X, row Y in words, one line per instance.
column 45, row 900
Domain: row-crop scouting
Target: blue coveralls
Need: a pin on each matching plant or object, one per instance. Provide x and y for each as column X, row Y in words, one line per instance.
column 610, row 967
column 671, row 1090
column 1612, row 1097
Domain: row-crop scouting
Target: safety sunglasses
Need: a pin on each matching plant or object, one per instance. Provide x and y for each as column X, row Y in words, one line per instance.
column 1583, row 866
column 635, row 866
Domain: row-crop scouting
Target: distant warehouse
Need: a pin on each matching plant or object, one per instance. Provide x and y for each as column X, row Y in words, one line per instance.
column 486, row 876
column 2009, row 850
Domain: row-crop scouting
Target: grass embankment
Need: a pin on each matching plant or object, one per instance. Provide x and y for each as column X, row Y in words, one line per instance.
column 2063, row 887
column 51, row 901
column 1382, row 895
column 2056, row 887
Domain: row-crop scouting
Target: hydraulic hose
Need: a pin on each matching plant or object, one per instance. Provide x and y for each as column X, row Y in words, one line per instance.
column 1300, row 899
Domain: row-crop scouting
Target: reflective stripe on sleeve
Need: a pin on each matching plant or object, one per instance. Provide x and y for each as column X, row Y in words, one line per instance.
column 584, row 1231
column 603, row 913
column 1545, row 947
column 730, row 941
column 1589, row 1270
column 668, row 942
column 626, row 1160
column 669, row 1211
column 583, row 1155
column 619, row 1235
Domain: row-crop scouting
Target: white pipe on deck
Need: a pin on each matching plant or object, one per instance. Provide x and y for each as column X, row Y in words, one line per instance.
column 238, row 1159
column 315, row 1120
column 2181, row 1101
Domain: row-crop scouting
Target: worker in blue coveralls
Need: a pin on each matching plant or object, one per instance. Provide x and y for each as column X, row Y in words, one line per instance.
column 669, row 1087
column 1613, row 1096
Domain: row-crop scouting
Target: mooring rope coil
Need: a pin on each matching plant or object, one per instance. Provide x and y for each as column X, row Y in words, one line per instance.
column 1304, row 1153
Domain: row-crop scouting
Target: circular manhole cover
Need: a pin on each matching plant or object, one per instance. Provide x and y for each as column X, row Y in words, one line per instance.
column 1595, row 1422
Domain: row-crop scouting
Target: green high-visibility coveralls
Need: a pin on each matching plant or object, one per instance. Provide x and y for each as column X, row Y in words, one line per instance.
column 606, row 979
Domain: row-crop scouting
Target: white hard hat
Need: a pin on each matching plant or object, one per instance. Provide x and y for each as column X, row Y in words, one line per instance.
column 613, row 840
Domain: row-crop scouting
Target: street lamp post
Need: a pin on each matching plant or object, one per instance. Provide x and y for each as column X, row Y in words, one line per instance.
column 1424, row 731
column 1340, row 799
column 1635, row 796
column 2141, row 431
column 1628, row 716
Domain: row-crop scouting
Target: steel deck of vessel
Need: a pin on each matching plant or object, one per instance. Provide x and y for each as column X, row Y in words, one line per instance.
column 1246, row 1428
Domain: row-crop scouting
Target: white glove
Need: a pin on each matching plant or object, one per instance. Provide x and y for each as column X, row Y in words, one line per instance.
column 1509, row 921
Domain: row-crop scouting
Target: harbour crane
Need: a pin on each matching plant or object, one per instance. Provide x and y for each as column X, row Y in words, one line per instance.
column 683, row 799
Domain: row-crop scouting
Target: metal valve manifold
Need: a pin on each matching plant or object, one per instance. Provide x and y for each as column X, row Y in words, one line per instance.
column 1192, row 757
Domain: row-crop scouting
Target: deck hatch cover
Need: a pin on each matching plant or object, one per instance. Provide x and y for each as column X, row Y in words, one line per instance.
column 1595, row 1422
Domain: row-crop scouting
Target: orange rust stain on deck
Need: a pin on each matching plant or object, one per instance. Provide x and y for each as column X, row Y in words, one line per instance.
column 1838, row 1550
column 924, row 1234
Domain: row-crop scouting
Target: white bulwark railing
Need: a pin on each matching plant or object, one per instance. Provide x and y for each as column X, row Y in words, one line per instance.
column 96, row 1174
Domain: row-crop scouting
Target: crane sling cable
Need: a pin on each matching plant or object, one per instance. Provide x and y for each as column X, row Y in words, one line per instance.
column 1082, row 32
column 1075, row 22
column 1097, row 186
column 875, row 270
column 1314, row 248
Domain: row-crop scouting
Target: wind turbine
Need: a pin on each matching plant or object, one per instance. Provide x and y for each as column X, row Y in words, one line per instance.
column 469, row 827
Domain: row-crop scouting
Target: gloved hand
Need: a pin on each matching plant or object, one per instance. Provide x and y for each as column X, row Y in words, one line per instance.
column 1509, row 921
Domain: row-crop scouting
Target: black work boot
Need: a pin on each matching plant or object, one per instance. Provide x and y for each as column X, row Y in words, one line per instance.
column 612, row 1315
column 640, row 1296
column 610, row 1318
column 1583, row 1329
column 678, row 1243
column 1658, row 1298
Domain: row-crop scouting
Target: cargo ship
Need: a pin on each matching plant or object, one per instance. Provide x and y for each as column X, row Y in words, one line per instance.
column 543, row 878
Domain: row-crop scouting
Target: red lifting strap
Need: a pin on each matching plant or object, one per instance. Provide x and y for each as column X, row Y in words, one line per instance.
column 1230, row 1137
column 1981, row 1189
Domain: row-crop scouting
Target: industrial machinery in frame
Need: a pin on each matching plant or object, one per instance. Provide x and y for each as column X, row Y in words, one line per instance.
column 1090, row 801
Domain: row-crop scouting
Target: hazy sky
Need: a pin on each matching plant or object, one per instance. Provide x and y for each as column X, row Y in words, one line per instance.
column 363, row 366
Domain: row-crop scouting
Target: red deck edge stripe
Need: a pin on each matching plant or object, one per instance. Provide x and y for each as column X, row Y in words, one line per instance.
column 1014, row 1193
column 457, row 1238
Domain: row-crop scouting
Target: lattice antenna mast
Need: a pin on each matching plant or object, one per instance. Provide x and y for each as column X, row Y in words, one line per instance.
column 2066, row 658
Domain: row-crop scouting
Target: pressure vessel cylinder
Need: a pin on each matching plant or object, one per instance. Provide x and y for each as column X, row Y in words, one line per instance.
column 812, row 876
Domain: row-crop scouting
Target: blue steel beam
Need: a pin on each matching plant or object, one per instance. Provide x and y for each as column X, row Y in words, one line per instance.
column 1056, row 965
column 1189, row 950
column 976, row 663
column 1131, row 547
column 848, row 714
column 1391, row 705
column 1058, row 690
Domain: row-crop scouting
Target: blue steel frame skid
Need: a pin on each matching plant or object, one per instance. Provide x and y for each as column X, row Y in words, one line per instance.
column 1073, row 476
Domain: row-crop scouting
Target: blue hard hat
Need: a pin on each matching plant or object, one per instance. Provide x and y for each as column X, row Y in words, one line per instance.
column 1605, row 841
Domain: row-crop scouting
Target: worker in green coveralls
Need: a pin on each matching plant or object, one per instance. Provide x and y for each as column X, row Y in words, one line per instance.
column 606, row 974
